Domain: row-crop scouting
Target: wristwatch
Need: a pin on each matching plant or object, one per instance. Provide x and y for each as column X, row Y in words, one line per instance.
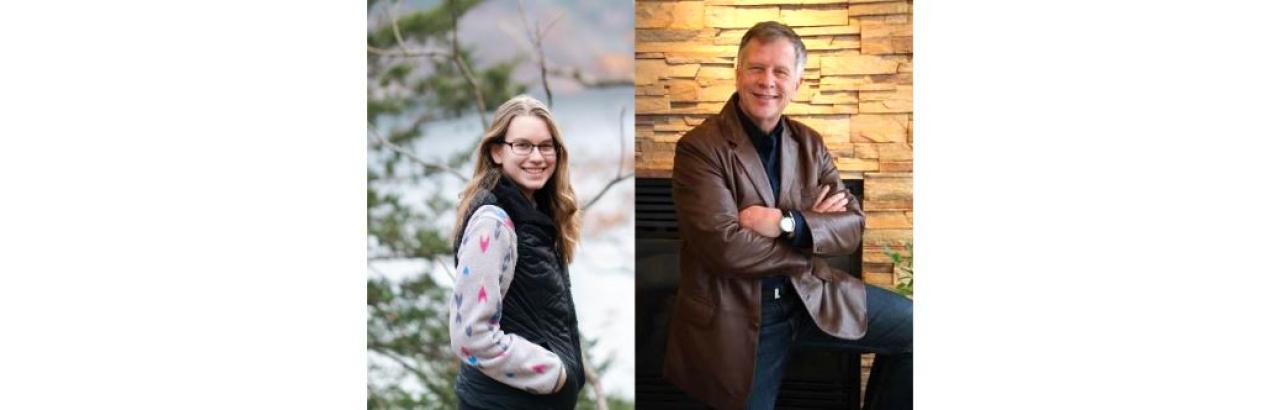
column 788, row 225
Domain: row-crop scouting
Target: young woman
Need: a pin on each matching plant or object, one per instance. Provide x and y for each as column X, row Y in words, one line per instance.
column 512, row 319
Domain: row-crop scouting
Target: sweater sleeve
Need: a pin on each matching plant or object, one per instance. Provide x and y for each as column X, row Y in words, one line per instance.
column 486, row 265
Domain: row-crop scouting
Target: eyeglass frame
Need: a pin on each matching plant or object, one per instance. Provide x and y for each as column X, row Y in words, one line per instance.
column 555, row 148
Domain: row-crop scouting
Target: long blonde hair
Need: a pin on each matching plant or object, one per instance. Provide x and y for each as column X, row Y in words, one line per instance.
column 562, row 202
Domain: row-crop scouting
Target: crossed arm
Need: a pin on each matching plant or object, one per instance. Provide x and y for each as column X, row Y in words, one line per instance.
column 767, row 221
column 743, row 242
column 834, row 221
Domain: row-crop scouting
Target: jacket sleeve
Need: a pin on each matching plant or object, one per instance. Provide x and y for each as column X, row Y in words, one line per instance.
column 486, row 265
column 834, row 233
column 707, row 215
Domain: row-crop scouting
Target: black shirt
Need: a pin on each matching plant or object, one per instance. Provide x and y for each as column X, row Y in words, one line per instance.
column 771, row 157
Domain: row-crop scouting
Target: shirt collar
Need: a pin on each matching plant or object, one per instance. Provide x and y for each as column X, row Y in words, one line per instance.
column 758, row 137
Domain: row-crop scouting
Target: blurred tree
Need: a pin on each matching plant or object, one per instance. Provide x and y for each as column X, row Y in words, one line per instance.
column 419, row 72
column 410, row 365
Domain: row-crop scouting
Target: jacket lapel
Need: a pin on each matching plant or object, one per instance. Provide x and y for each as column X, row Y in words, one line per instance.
column 789, row 191
column 745, row 153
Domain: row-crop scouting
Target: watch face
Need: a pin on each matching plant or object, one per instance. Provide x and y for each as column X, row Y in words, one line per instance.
column 788, row 224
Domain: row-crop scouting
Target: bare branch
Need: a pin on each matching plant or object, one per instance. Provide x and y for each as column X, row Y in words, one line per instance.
column 379, row 139
column 447, row 270
column 553, row 22
column 389, row 352
column 404, row 49
column 392, row 257
column 466, row 72
column 395, row 357
column 613, row 181
column 601, row 403
column 585, row 80
column 438, row 260
column 375, row 270
column 454, row 54
column 622, row 138
column 407, row 52
column 395, row 26
column 535, row 35
column 622, row 159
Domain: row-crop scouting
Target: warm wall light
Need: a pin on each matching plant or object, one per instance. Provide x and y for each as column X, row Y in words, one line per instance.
column 856, row 91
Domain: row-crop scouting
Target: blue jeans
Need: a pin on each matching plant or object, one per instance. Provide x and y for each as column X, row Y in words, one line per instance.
column 784, row 321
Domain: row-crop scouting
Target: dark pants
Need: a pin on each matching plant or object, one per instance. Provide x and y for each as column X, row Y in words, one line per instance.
column 786, row 322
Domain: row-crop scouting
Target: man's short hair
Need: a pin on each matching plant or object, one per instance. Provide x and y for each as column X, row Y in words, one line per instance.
column 768, row 31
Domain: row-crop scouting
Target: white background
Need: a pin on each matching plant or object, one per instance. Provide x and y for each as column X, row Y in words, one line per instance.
column 1095, row 205
column 183, row 203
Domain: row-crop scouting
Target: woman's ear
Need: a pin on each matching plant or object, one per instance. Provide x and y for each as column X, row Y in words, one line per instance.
column 495, row 152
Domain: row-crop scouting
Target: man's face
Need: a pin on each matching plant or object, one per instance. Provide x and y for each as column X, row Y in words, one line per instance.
column 766, row 80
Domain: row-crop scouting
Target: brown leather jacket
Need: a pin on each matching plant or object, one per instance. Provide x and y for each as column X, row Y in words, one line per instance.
column 711, row 345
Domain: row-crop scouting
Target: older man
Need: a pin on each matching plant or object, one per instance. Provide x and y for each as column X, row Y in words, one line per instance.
column 759, row 202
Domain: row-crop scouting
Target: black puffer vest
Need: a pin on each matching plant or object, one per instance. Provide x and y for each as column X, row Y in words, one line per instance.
column 537, row 306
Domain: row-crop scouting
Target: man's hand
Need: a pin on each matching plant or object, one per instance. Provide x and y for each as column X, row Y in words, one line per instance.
column 762, row 220
column 834, row 203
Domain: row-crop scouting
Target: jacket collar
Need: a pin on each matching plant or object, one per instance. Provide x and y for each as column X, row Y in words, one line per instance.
column 744, row 151
column 521, row 209
column 526, row 217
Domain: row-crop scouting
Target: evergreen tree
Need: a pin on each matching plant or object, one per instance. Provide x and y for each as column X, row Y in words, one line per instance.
column 418, row 72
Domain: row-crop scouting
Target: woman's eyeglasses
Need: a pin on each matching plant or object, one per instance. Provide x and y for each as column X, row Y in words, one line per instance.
column 526, row 148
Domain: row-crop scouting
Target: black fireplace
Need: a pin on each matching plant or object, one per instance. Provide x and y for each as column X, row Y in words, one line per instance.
column 816, row 379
